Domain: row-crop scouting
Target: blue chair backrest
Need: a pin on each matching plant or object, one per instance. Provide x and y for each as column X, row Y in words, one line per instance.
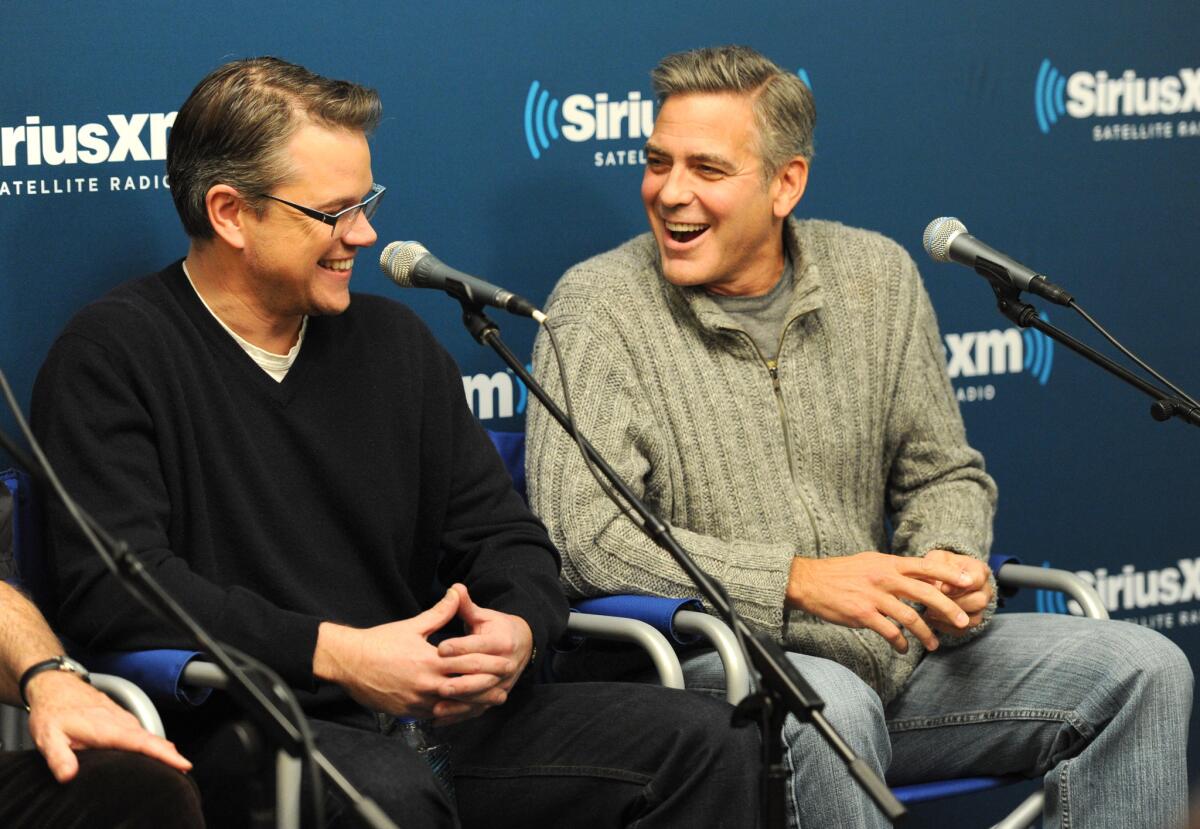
column 26, row 538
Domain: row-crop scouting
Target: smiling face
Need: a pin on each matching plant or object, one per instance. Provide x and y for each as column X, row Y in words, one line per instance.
column 295, row 267
column 717, row 224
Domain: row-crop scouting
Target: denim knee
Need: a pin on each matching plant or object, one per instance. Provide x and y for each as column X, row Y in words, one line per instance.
column 851, row 706
column 1163, row 667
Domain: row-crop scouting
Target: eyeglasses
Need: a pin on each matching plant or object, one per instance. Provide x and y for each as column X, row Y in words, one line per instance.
column 343, row 220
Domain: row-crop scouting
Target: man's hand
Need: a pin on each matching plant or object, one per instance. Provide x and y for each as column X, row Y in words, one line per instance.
column 489, row 659
column 865, row 591
column 67, row 715
column 390, row 667
column 973, row 599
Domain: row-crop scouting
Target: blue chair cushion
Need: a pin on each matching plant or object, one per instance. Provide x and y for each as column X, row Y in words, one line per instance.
column 655, row 611
column 920, row 792
column 157, row 672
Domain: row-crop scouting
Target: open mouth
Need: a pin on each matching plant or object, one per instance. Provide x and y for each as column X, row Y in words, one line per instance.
column 337, row 264
column 682, row 232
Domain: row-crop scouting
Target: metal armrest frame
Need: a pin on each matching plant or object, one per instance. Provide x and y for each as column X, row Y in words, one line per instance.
column 133, row 699
column 1048, row 578
column 620, row 629
column 719, row 635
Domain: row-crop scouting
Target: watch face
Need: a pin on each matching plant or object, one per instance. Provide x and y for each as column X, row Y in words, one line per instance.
column 69, row 664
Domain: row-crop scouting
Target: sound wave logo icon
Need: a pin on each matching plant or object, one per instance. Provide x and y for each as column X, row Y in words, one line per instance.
column 540, row 120
column 1050, row 601
column 1049, row 101
column 1039, row 352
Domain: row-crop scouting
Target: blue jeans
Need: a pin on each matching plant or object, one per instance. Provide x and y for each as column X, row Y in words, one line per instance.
column 1098, row 709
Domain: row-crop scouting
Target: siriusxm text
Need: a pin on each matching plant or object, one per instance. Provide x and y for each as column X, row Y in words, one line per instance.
column 138, row 137
column 1098, row 94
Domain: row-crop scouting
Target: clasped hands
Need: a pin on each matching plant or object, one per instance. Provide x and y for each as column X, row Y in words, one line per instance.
column 867, row 590
column 394, row 668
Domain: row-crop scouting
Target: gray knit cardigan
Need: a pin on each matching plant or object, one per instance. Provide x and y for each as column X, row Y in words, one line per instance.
column 854, row 437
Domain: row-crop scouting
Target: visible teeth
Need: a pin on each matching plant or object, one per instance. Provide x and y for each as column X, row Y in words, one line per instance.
column 678, row 227
column 337, row 264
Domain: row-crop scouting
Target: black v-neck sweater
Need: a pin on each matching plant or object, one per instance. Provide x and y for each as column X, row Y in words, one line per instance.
column 344, row 493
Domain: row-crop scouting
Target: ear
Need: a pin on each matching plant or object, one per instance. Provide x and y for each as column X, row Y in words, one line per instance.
column 788, row 186
column 227, row 214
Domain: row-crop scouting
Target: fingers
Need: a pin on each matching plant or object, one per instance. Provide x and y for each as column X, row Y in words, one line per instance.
column 449, row 713
column 888, row 630
column 912, row 621
column 480, row 689
column 165, row 752
column 118, row 729
column 976, row 570
column 437, row 617
column 56, row 748
column 933, row 599
column 932, row 568
column 479, row 663
column 470, row 612
column 475, row 643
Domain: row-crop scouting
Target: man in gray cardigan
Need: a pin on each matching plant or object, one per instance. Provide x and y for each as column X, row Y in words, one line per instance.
column 776, row 391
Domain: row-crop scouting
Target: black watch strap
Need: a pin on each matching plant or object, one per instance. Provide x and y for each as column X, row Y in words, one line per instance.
column 58, row 663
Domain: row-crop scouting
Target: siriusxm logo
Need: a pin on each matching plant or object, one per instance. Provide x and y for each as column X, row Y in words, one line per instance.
column 138, row 137
column 497, row 395
column 1100, row 95
column 1131, row 589
column 1011, row 351
column 595, row 117
column 584, row 118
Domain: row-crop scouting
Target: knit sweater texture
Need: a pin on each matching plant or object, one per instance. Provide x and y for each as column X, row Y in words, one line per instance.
column 344, row 493
column 851, row 441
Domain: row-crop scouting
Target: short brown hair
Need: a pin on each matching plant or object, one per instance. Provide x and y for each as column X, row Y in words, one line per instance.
column 234, row 127
column 784, row 110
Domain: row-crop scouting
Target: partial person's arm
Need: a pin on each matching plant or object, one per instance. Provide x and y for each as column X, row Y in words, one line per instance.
column 603, row 551
column 942, row 502
column 65, row 713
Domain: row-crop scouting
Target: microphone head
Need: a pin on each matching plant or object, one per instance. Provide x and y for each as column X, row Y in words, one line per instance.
column 398, row 260
column 938, row 236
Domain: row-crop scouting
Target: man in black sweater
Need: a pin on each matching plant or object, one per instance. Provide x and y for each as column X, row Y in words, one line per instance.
column 300, row 470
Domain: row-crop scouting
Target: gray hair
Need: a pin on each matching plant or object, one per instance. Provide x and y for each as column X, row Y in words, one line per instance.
column 784, row 110
column 235, row 126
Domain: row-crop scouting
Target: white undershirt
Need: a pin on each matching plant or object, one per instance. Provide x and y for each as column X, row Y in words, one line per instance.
column 276, row 365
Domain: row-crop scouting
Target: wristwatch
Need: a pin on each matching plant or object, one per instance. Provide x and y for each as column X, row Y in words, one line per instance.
column 58, row 663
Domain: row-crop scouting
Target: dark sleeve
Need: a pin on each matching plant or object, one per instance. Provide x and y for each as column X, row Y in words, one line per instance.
column 98, row 411
column 491, row 541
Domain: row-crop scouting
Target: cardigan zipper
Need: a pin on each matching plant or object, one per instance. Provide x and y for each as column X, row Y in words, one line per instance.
column 773, row 369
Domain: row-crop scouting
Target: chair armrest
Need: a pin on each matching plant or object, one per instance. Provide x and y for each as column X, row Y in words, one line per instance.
column 631, row 630
column 737, row 669
column 158, row 672
column 200, row 673
column 133, row 699
column 1047, row 578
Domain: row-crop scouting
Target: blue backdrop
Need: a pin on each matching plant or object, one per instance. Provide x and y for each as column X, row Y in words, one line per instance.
column 1066, row 134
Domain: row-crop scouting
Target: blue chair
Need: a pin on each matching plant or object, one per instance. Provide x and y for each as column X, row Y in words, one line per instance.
column 1010, row 576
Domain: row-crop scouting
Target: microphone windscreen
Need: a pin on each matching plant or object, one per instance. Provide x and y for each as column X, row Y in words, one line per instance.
column 938, row 236
column 398, row 260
